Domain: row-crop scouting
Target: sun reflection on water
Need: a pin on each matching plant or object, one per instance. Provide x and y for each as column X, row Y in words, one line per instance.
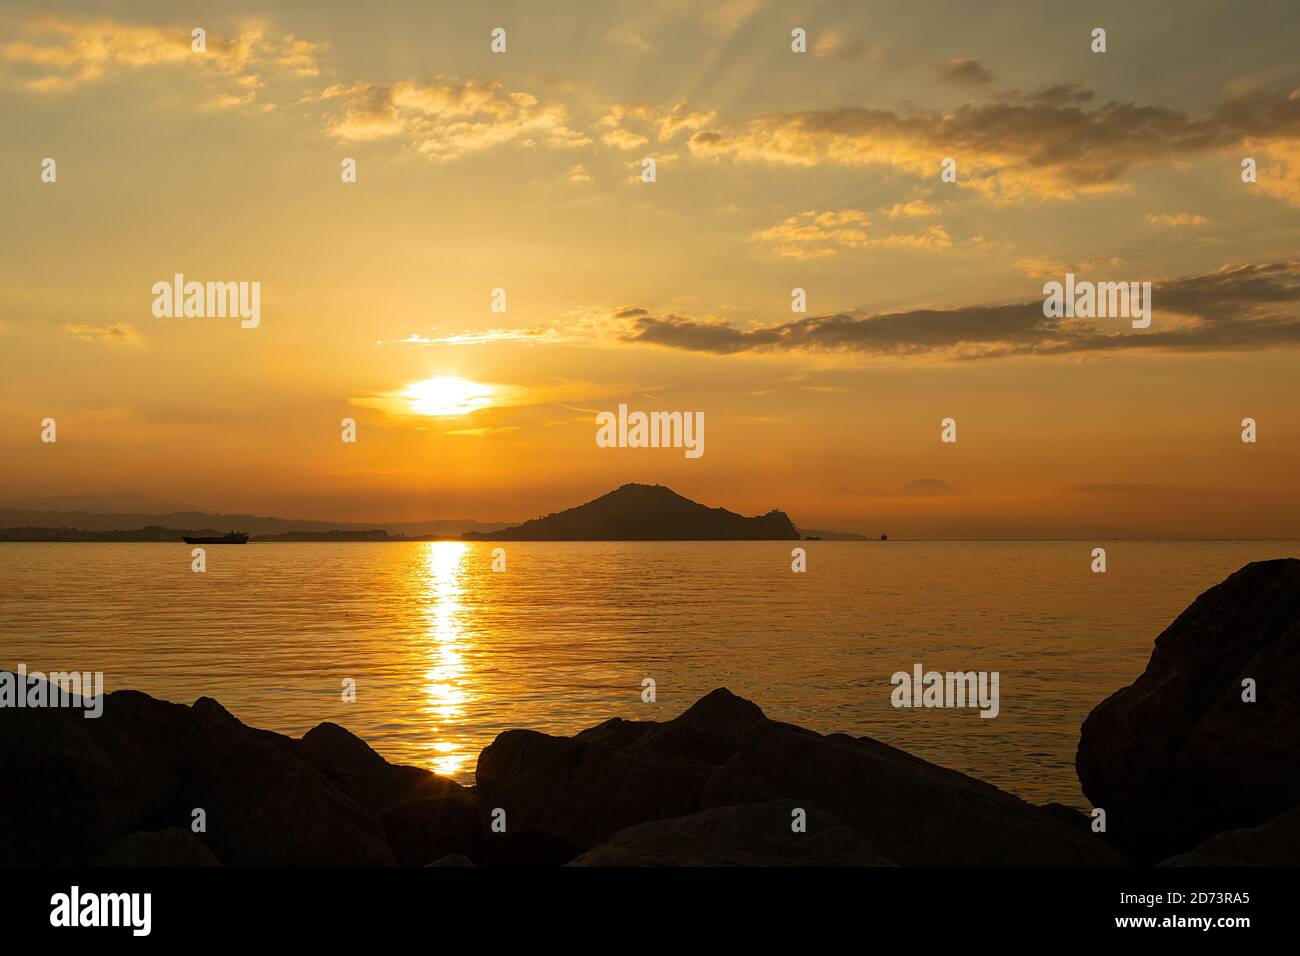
column 445, row 690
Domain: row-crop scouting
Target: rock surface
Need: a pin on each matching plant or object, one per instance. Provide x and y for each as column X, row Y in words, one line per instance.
column 69, row 786
column 586, row 788
column 756, row 834
column 266, row 806
column 1178, row 755
column 913, row 812
column 170, row 847
column 1276, row 843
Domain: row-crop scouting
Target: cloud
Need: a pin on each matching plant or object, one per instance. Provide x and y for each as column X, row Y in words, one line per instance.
column 631, row 127
column 447, row 117
column 1237, row 308
column 483, row 337
column 59, row 54
column 300, row 56
column 965, row 71
column 913, row 209
column 1178, row 219
column 623, row 139
column 1048, row 145
column 627, row 38
column 1042, row 267
column 814, row 235
column 837, row 48
column 118, row 334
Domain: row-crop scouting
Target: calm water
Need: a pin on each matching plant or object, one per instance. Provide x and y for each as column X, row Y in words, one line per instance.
column 446, row 653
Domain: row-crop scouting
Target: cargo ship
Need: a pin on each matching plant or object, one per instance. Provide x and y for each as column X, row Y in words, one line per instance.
column 235, row 537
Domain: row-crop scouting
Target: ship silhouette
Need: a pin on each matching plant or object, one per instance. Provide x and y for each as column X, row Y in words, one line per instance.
column 234, row 537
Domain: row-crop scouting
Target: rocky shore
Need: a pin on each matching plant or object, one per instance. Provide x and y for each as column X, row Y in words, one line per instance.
column 1188, row 771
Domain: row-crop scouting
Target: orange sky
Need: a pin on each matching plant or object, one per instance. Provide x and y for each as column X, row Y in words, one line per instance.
column 775, row 170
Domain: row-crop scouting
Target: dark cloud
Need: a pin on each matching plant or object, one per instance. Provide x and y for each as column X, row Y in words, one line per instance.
column 965, row 71
column 1238, row 308
column 1048, row 144
column 1064, row 94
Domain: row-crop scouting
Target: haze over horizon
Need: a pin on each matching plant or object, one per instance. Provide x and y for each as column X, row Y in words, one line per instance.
column 521, row 171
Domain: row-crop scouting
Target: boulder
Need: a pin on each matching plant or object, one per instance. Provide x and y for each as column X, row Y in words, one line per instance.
column 710, row 730
column 453, row 859
column 266, row 806
column 350, row 763
column 912, row 812
column 170, row 847
column 756, row 834
column 583, row 792
column 71, row 785
column 1178, row 755
column 588, row 787
column 426, row 828
column 1276, row 843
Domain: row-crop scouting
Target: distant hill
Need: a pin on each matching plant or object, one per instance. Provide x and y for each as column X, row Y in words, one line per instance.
column 920, row 488
column 647, row 513
column 23, row 518
column 926, row 488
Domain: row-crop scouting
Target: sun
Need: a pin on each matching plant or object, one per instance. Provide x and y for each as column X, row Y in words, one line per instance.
column 447, row 395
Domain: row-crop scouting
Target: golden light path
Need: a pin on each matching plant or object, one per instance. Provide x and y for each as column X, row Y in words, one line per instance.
column 444, row 680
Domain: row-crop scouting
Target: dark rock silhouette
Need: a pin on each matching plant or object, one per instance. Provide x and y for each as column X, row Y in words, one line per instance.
column 755, row 834
column 913, row 812
column 170, row 847
column 588, row 787
column 427, row 828
column 70, row 787
column 1178, row 756
column 1276, row 843
column 646, row 513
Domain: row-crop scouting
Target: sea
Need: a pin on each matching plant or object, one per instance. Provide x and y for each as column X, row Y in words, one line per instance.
column 427, row 652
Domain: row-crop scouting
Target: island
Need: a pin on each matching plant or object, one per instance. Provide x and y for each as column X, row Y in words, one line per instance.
column 635, row 512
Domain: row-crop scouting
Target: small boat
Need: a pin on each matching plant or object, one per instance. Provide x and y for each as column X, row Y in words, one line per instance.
column 235, row 537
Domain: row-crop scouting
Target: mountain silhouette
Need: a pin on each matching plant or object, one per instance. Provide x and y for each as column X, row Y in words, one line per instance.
column 647, row 513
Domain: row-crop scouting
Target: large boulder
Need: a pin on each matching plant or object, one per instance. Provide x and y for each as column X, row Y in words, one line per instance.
column 1276, row 843
column 756, row 834
column 586, row 788
column 913, row 812
column 264, row 805
column 71, row 785
column 351, row 764
column 170, row 847
column 424, row 829
column 1178, row 755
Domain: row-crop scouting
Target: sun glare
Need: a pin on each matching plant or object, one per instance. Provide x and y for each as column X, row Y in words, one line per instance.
column 448, row 395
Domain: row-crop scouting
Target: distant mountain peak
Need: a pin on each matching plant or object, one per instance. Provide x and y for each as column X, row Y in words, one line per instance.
column 639, row 512
column 926, row 488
